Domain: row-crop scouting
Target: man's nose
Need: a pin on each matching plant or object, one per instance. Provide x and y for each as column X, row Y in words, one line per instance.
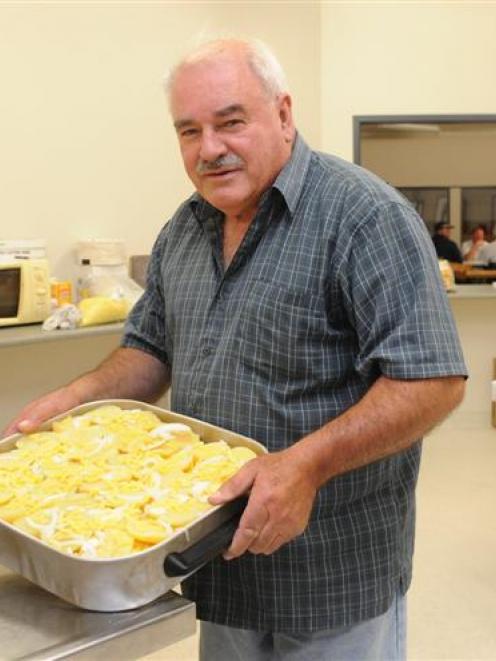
column 211, row 146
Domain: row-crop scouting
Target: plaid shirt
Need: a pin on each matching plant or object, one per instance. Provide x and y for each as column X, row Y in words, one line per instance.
column 336, row 282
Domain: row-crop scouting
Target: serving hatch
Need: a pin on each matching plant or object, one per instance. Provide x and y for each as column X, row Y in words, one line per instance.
column 130, row 581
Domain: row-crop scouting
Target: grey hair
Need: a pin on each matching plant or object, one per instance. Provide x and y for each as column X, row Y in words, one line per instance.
column 261, row 60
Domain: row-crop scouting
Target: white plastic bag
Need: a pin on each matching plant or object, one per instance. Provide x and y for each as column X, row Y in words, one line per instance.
column 110, row 281
column 66, row 317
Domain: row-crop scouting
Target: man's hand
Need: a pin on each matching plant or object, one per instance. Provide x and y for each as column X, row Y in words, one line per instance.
column 282, row 493
column 36, row 412
column 126, row 374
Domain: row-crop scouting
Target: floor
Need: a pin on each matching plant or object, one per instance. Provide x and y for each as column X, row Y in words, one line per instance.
column 452, row 602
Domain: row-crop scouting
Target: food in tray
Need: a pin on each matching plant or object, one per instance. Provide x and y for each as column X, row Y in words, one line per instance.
column 112, row 482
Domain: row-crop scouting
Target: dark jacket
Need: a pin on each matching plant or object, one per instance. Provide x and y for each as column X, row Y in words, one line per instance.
column 447, row 249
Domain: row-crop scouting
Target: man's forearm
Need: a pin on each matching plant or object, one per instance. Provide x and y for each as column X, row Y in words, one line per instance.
column 283, row 485
column 126, row 373
column 389, row 418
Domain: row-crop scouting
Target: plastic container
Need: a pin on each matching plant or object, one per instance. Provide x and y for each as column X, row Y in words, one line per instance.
column 101, row 252
column 61, row 292
column 447, row 275
column 103, row 271
column 101, row 263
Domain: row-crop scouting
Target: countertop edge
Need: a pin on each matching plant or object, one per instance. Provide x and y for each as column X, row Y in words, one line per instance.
column 33, row 334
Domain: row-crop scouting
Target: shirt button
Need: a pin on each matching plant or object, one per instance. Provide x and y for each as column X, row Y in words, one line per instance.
column 206, row 351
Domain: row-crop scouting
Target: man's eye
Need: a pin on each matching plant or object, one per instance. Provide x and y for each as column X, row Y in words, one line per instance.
column 188, row 133
column 231, row 123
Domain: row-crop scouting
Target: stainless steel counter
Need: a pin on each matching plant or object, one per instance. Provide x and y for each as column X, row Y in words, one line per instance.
column 36, row 625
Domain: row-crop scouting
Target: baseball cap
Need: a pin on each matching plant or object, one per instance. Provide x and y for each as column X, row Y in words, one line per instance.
column 441, row 225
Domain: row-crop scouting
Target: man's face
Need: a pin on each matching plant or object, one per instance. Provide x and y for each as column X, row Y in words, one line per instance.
column 478, row 235
column 234, row 139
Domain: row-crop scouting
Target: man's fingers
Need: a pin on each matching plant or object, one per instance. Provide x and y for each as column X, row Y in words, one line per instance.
column 241, row 542
column 266, row 548
column 251, row 524
column 33, row 415
column 7, row 431
column 28, row 425
column 31, row 422
column 249, row 539
column 264, row 539
column 24, row 426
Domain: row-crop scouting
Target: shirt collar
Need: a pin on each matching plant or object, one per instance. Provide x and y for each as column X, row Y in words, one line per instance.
column 289, row 183
column 291, row 179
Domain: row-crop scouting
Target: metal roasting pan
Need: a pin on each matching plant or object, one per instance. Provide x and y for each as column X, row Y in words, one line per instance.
column 119, row 584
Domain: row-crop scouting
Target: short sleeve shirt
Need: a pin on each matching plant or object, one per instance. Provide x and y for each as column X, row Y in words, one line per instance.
column 335, row 283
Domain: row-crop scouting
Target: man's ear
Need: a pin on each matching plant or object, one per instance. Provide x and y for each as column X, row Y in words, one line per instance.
column 286, row 116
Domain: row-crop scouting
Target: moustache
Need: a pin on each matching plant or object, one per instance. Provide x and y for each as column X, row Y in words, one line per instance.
column 226, row 161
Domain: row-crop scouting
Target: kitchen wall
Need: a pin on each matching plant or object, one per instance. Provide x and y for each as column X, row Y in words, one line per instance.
column 394, row 58
column 87, row 144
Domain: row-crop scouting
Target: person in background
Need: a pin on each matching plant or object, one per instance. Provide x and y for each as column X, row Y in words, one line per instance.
column 296, row 299
column 445, row 247
column 471, row 249
column 487, row 254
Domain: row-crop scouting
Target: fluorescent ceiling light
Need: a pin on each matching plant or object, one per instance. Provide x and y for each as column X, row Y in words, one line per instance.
column 432, row 128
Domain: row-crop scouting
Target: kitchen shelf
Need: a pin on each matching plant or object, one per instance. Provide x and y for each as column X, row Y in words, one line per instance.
column 33, row 333
column 472, row 292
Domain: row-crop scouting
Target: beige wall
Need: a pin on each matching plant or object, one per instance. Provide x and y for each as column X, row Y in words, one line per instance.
column 87, row 149
column 404, row 58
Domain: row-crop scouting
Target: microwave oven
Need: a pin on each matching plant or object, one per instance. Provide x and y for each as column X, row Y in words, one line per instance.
column 24, row 291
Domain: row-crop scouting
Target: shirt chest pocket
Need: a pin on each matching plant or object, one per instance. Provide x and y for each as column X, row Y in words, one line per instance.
column 281, row 331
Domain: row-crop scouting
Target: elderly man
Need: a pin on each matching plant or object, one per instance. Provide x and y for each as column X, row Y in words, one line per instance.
column 296, row 299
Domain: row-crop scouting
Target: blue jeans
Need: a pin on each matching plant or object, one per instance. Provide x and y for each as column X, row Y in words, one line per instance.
column 382, row 638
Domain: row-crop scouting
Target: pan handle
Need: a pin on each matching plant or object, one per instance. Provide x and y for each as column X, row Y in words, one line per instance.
column 192, row 558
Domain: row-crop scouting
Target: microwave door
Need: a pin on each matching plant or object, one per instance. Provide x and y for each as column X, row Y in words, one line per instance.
column 10, row 292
